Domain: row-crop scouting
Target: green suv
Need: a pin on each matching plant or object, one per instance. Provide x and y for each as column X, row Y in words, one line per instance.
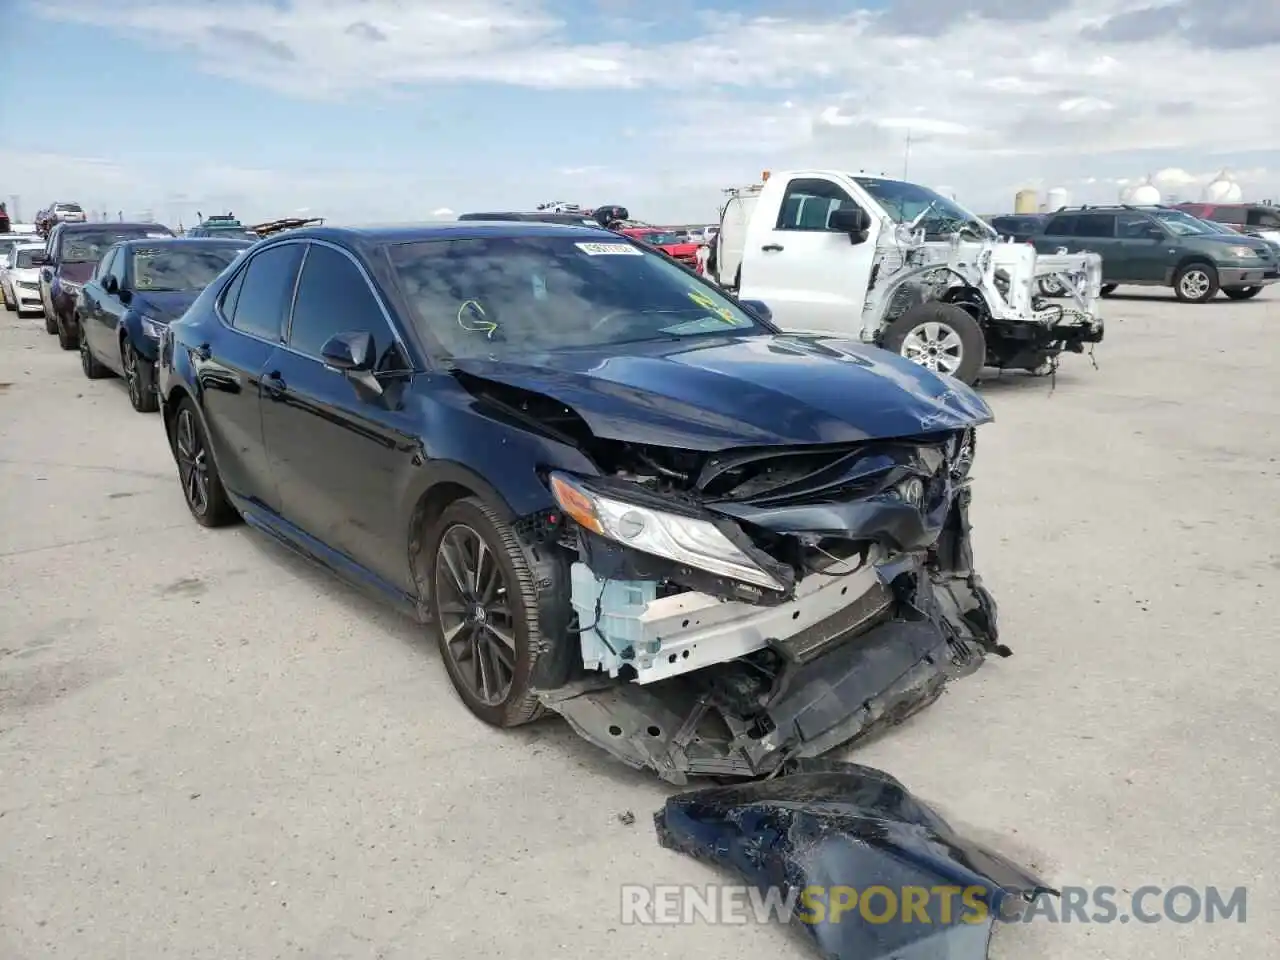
column 1161, row 246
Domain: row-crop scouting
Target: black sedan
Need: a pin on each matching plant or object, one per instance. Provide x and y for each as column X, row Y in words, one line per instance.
column 139, row 286
column 617, row 493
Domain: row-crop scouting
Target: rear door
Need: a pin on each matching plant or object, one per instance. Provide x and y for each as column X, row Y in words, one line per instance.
column 341, row 454
column 254, row 307
column 1142, row 248
column 811, row 276
column 92, row 316
column 1095, row 233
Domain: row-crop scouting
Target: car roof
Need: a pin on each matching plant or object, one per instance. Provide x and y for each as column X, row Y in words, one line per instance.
column 109, row 225
column 454, row 230
column 150, row 242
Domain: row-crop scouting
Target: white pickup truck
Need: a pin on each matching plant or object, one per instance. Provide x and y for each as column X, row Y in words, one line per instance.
column 899, row 265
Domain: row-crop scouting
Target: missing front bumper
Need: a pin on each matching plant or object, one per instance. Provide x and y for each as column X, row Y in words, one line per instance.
column 875, row 677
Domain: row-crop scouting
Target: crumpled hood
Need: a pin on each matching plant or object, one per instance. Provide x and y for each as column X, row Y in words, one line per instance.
column 76, row 272
column 710, row 393
column 166, row 306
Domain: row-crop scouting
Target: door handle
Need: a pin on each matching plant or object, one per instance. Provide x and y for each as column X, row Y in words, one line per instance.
column 273, row 385
column 771, row 247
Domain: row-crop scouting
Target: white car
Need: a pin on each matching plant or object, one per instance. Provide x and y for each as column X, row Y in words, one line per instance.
column 69, row 213
column 20, row 278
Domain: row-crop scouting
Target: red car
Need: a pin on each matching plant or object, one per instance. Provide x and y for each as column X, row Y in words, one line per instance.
column 667, row 241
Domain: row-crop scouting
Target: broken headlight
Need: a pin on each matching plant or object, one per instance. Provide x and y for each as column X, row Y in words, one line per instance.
column 688, row 540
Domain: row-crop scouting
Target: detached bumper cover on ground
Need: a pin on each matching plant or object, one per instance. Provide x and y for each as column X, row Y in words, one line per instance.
column 831, row 831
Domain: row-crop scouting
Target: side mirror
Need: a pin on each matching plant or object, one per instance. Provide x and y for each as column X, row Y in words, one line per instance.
column 758, row 308
column 351, row 352
column 851, row 220
column 125, row 295
column 1153, row 233
column 40, row 260
column 110, row 284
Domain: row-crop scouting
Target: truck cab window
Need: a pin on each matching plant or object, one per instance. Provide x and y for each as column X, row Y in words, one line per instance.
column 808, row 205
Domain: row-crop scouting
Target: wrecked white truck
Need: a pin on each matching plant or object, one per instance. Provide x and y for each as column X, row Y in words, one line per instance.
column 899, row 265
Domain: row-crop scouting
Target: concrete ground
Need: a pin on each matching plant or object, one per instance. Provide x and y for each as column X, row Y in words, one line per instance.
column 209, row 749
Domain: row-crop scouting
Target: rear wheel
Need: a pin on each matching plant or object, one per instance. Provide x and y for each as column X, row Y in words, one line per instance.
column 1242, row 293
column 1108, row 289
column 942, row 337
column 201, row 485
column 140, row 376
column 485, row 605
column 1196, row 283
column 9, row 305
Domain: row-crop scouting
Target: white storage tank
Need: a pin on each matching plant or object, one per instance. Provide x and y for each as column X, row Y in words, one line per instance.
column 1057, row 198
column 1223, row 189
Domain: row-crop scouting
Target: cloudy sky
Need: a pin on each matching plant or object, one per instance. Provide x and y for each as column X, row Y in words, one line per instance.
column 396, row 109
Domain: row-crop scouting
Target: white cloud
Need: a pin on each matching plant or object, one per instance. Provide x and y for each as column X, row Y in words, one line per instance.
column 993, row 94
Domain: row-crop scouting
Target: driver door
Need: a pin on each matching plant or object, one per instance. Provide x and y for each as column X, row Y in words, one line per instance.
column 811, row 276
column 341, row 455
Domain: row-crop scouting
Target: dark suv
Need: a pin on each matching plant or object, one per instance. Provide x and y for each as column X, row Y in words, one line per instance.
column 1161, row 246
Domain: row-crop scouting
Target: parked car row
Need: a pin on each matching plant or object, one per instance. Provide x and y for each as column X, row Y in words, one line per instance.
column 620, row 493
column 1163, row 246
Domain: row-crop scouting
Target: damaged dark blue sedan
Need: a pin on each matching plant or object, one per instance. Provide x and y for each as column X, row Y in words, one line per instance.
column 616, row 492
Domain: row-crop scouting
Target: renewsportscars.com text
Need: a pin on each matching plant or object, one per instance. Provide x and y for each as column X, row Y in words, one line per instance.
column 731, row 903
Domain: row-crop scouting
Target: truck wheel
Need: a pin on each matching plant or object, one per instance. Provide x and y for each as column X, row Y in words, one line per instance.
column 1196, row 283
column 1108, row 289
column 1242, row 293
column 941, row 337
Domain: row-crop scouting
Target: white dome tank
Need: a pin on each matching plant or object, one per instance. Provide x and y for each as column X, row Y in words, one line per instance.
column 1057, row 197
column 1145, row 194
column 1223, row 189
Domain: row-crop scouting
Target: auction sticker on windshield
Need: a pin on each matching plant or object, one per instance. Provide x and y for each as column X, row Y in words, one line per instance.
column 609, row 249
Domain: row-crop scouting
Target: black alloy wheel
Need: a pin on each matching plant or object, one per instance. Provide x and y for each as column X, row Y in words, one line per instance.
column 201, row 486
column 88, row 362
column 474, row 614
column 139, row 379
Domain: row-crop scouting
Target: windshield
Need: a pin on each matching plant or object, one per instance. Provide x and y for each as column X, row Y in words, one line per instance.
column 1183, row 224
column 88, row 246
column 24, row 259
column 172, row 269
column 512, row 295
column 233, row 233
column 69, row 208
column 659, row 237
column 904, row 202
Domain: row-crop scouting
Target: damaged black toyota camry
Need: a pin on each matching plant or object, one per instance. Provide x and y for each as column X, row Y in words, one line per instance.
column 617, row 493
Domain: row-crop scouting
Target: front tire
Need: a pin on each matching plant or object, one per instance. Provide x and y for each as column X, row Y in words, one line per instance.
column 93, row 370
column 1196, row 283
column 9, row 305
column 484, row 601
column 50, row 324
column 65, row 338
column 1242, row 293
column 201, row 486
column 1108, row 289
column 140, row 377
column 941, row 337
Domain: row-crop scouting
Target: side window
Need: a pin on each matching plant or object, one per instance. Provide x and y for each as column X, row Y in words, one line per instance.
column 262, row 301
column 1268, row 219
column 1096, row 225
column 120, row 265
column 808, row 204
column 333, row 297
column 1061, row 226
column 1133, row 226
column 104, row 265
column 227, row 302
